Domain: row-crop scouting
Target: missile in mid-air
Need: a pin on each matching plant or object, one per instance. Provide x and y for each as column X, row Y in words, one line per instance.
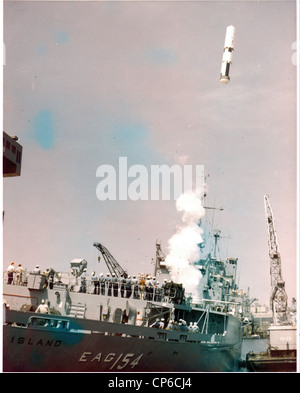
column 227, row 54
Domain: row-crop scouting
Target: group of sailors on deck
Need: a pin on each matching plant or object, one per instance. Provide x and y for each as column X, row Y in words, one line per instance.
column 15, row 274
column 139, row 287
column 181, row 325
column 142, row 286
column 18, row 275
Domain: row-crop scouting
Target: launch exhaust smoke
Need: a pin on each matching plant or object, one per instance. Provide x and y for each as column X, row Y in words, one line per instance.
column 227, row 54
column 183, row 246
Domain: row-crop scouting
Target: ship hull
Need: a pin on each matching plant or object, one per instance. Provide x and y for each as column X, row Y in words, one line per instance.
column 94, row 346
column 28, row 350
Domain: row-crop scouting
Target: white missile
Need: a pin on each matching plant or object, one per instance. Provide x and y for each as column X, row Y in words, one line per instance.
column 227, row 54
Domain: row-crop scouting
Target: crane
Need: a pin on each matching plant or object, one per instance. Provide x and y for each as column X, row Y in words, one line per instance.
column 278, row 297
column 110, row 261
column 160, row 259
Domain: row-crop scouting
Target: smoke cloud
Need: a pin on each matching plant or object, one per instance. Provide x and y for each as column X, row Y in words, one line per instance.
column 183, row 247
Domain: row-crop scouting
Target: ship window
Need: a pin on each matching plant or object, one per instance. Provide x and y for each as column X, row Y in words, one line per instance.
column 183, row 338
column 50, row 323
column 18, row 156
column 62, row 325
column 7, row 145
column 161, row 336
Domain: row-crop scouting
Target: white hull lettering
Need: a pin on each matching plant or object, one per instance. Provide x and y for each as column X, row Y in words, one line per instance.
column 118, row 362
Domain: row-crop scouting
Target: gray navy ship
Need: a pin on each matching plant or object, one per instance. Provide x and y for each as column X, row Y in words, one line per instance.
column 74, row 322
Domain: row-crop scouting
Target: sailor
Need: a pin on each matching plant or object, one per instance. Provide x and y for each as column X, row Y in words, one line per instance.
column 146, row 288
column 154, row 283
column 19, row 274
column 46, row 274
column 186, row 329
column 10, row 273
column 95, row 281
column 162, row 323
column 135, row 284
column 102, row 284
column 142, row 283
column 149, row 288
column 157, row 290
column 128, row 287
column 163, row 285
column 191, row 327
column 108, row 284
column 156, row 324
column 115, row 284
column 59, row 276
column 232, row 311
column 82, row 288
column 37, row 270
column 180, row 324
column 196, row 328
column 43, row 308
column 122, row 282
column 176, row 326
column 73, row 282
column 183, row 326
column 170, row 325
column 6, row 306
column 51, row 278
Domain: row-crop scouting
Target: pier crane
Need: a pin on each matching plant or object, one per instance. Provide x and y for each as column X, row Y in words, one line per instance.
column 278, row 297
column 110, row 261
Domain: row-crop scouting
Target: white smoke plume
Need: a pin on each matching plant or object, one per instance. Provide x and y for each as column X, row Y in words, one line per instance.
column 183, row 245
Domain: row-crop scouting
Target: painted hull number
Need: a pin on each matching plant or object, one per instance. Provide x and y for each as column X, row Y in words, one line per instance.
column 118, row 362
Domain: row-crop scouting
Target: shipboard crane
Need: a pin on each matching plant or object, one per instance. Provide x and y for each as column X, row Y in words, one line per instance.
column 278, row 297
column 112, row 264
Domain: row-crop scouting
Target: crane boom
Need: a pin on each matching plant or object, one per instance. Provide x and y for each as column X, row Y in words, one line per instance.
column 110, row 261
column 278, row 297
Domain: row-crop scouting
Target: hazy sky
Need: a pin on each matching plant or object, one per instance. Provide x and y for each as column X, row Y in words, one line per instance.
column 88, row 82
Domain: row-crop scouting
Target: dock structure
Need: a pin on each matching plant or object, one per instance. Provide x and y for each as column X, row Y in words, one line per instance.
column 282, row 352
column 12, row 156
